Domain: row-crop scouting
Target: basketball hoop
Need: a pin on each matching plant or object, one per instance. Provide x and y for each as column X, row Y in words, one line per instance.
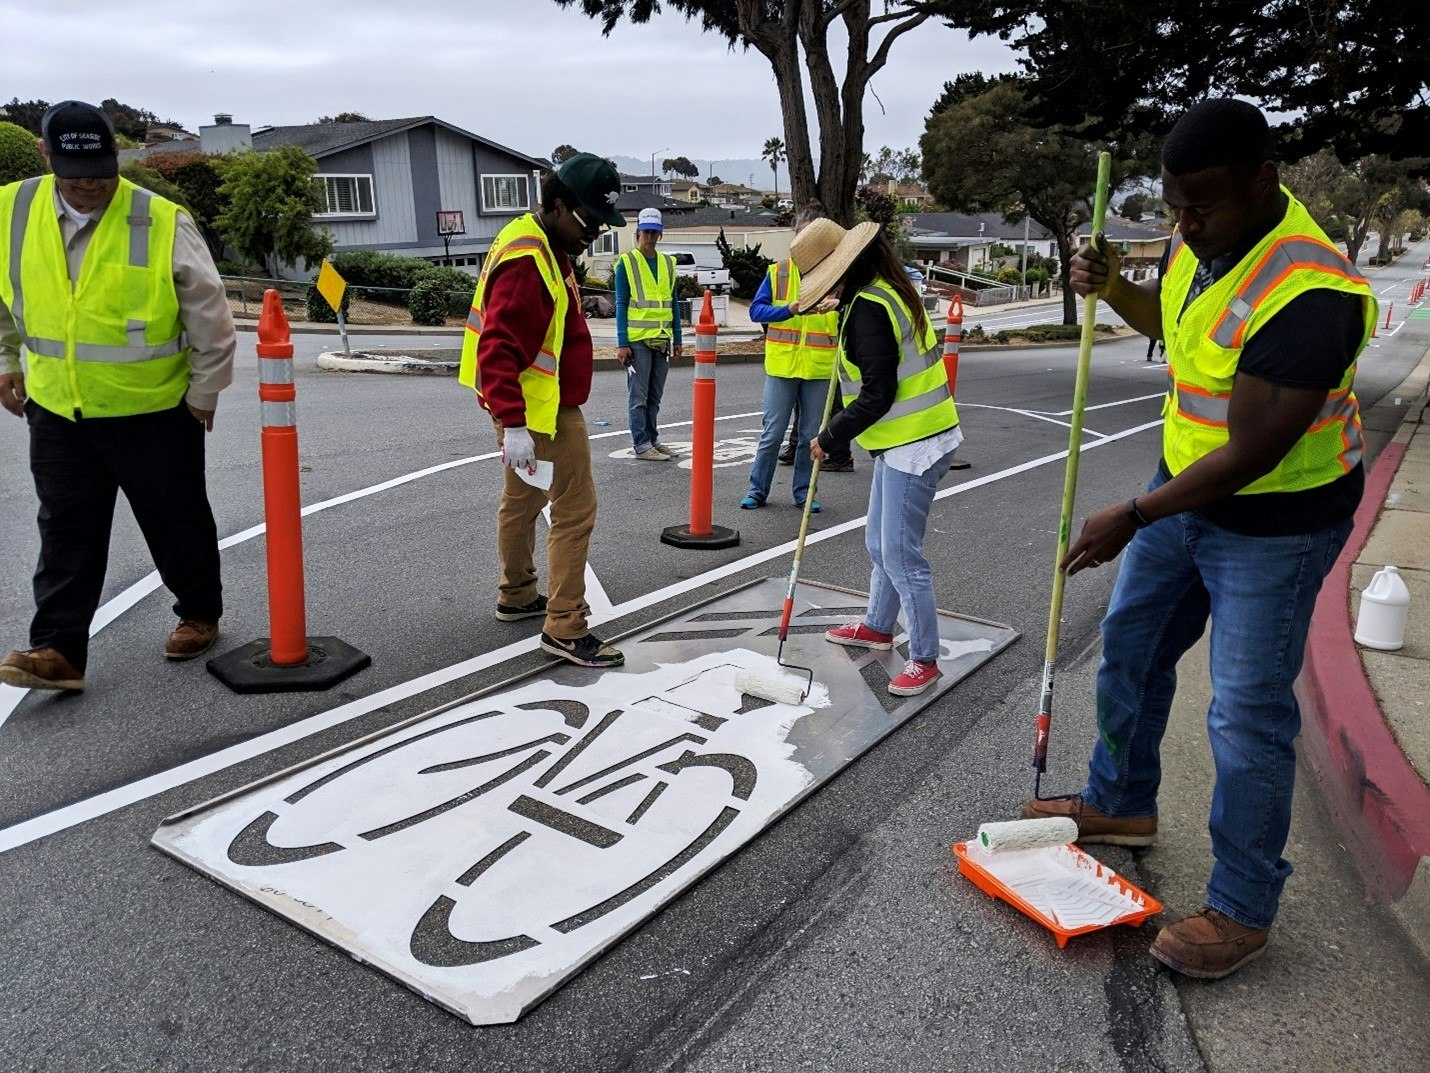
column 449, row 222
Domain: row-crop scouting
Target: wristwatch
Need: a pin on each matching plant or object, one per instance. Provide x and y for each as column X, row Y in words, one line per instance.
column 1135, row 516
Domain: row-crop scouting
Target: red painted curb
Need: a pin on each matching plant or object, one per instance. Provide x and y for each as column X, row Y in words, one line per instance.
column 1379, row 803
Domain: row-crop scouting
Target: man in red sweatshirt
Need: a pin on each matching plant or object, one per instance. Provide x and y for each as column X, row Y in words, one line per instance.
column 527, row 354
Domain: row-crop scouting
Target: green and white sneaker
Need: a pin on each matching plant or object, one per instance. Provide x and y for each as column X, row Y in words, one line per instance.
column 588, row 651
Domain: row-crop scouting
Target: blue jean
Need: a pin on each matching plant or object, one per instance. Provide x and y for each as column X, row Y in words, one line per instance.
column 1259, row 593
column 646, row 370
column 780, row 395
column 899, row 505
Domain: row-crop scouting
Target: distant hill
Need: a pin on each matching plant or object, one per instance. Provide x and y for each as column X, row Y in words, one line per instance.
column 731, row 171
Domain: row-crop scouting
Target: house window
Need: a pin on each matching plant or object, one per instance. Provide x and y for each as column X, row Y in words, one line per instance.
column 346, row 195
column 608, row 243
column 506, row 193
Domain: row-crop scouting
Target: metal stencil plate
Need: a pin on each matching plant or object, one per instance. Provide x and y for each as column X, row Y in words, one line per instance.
column 484, row 852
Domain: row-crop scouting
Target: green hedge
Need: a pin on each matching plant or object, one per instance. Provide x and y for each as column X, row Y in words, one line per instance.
column 429, row 302
column 319, row 312
column 369, row 268
column 458, row 287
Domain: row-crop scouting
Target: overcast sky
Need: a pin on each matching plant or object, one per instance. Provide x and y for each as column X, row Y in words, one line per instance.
column 524, row 73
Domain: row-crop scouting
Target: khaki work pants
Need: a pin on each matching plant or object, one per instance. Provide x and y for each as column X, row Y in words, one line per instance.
column 573, row 517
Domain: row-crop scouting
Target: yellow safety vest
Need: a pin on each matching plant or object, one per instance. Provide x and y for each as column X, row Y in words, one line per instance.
column 802, row 347
column 540, row 381
column 923, row 405
column 111, row 344
column 1204, row 343
column 649, row 314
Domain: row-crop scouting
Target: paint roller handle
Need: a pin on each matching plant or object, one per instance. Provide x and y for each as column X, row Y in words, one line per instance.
column 785, row 617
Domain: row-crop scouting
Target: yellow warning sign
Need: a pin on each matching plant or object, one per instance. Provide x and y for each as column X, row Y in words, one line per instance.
column 331, row 285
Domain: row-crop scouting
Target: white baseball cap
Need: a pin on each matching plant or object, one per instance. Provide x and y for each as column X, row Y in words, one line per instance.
column 649, row 220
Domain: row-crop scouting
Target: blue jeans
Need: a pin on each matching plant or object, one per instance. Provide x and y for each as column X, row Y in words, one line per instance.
column 899, row 506
column 646, row 370
column 780, row 395
column 1259, row 593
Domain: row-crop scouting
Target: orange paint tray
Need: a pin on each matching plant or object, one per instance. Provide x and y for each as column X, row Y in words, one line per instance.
column 1062, row 888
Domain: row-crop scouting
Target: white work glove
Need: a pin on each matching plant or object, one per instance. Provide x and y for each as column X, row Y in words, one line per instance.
column 518, row 449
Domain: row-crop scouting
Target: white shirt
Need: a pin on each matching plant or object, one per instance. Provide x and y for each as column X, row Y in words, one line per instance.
column 916, row 458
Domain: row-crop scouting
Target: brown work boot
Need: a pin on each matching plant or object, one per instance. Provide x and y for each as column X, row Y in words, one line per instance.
column 190, row 638
column 1208, row 944
column 1094, row 826
column 40, row 668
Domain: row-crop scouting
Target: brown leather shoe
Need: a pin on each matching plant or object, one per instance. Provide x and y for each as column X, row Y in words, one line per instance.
column 40, row 668
column 1094, row 826
column 190, row 638
column 1208, row 944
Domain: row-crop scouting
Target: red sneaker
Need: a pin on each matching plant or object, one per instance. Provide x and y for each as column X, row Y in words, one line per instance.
column 858, row 635
column 914, row 678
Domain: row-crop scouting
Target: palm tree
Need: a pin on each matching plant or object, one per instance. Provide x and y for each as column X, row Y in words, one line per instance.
column 774, row 152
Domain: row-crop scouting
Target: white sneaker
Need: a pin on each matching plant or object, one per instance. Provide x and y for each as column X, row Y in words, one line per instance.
column 650, row 454
column 663, row 449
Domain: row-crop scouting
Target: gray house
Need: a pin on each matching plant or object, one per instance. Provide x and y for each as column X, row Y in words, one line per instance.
column 387, row 183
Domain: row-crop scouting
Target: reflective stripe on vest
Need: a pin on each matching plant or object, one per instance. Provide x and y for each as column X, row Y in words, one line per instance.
column 801, row 347
column 109, row 343
column 922, row 404
column 1205, row 337
column 540, row 381
column 648, row 313
column 1285, row 257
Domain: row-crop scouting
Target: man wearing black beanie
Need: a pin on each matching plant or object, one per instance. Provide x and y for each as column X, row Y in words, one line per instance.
column 1261, row 472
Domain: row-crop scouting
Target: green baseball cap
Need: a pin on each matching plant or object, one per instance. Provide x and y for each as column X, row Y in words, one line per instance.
column 595, row 183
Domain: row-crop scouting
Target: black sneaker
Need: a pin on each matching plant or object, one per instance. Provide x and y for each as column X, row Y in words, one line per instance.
column 786, row 456
column 516, row 614
column 842, row 465
column 588, row 651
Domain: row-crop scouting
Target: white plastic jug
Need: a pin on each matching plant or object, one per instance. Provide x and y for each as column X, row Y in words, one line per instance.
column 1383, row 605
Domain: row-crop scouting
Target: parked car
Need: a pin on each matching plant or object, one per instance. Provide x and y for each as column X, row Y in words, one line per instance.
column 717, row 279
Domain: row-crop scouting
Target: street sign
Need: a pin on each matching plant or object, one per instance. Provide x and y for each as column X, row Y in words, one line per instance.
column 331, row 285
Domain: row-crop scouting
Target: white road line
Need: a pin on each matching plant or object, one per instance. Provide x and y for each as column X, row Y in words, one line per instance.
column 1397, row 328
column 1055, row 421
column 1390, row 288
column 10, row 696
column 1102, row 405
column 62, row 819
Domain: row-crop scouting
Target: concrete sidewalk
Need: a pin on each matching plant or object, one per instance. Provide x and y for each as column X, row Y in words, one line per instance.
column 1366, row 725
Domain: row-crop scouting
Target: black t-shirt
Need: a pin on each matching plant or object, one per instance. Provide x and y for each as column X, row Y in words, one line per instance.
column 1309, row 344
column 870, row 344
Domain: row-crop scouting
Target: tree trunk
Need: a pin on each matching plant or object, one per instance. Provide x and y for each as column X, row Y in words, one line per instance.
column 1065, row 271
column 777, row 40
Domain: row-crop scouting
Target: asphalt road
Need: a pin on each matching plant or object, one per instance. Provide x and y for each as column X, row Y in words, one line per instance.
column 840, row 938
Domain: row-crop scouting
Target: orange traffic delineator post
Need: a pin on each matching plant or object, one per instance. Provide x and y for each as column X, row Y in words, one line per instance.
column 1388, row 310
column 952, row 336
column 288, row 660
column 699, row 532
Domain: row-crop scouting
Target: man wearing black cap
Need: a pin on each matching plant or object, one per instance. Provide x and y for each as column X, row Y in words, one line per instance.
column 527, row 354
column 115, row 341
column 1260, row 475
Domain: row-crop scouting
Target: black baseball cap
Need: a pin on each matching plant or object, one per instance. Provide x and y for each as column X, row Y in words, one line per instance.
column 596, row 185
column 80, row 139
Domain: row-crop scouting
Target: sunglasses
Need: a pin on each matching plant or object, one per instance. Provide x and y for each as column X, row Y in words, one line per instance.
column 589, row 227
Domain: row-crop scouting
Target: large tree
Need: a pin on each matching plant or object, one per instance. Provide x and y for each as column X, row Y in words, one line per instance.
column 774, row 154
column 1349, row 75
column 197, row 175
column 794, row 36
column 680, row 165
column 271, row 201
column 983, row 155
column 1348, row 200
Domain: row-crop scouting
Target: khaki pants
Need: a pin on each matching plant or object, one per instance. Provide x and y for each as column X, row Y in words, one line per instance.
column 573, row 517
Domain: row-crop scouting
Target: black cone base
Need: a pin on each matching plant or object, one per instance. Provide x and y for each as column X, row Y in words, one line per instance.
column 251, row 669
column 679, row 536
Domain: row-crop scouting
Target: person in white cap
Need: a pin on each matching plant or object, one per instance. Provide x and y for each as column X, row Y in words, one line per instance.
column 647, row 332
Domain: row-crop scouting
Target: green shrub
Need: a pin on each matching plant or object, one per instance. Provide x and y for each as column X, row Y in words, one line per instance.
column 232, row 268
column 747, row 266
column 456, row 285
column 319, row 312
column 370, row 268
column 19, row 154
column 1010, row 276
column 686, row 287
column 428, row 302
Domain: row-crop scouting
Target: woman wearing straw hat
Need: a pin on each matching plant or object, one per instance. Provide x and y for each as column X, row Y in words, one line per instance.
column 898, row 407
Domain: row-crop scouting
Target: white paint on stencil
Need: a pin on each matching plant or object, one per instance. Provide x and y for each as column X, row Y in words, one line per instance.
column 954, row 649
column 370, row 895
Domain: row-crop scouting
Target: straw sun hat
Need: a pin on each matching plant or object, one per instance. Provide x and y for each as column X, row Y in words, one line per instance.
column 823, row 252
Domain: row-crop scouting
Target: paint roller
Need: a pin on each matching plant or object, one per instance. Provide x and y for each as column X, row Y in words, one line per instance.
column 1010, row 836
column 775, row 689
